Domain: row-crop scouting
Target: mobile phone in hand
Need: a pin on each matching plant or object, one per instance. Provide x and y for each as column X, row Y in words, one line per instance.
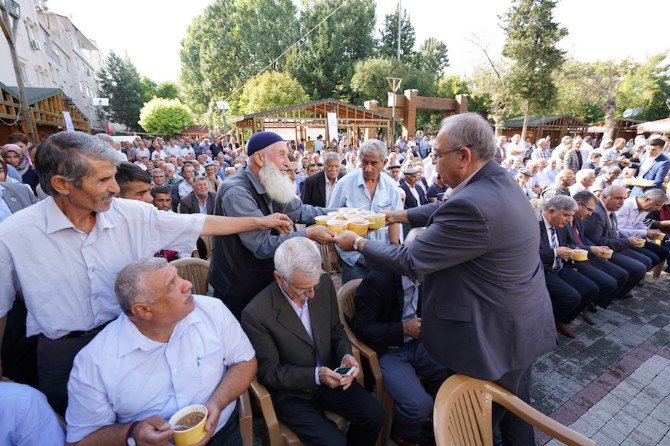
column 345, row 371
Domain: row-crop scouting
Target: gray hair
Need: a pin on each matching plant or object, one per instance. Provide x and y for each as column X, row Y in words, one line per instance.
column 566, row 139
column 104, row 137
column 654, row 194
column 158, row 170
column 130, row 287
column 581, row 174
column 170, row 167
column 561, row 203
column 373, row 147
column 67, row 154
column 298, row 254
column 331, row 156
column 609, row 190
column 612, row 169
column 584, row 196
column 472, row 131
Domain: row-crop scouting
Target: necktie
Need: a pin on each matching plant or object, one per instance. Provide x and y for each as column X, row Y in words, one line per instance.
column 558, row 263
column 614, row 224
column 575, row 233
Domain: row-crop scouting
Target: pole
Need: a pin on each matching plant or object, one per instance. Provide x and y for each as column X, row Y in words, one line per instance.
column 11, row 41
column 399, row 27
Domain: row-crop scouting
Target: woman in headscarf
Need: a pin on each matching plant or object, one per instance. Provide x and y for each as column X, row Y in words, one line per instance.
column 14, row 156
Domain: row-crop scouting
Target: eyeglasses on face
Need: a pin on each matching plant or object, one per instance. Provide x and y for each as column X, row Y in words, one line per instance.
column 301, row 291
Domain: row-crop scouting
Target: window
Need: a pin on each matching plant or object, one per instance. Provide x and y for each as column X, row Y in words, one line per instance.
column 24, row 73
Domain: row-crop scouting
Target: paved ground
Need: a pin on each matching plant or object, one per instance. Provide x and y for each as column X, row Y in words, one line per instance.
column 612, row 383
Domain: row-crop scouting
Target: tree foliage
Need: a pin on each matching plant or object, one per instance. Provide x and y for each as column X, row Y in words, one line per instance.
column 120, row 82
column 432, row 56
column 369, row 80
column 147, row 89
column 388, row 42
column 165, row 116
column 269, row 90
column 532, row 38
column 167, row 90
column 324, row 62
column 230, row 42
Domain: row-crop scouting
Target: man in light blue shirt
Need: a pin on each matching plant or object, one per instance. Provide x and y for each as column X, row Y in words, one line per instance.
column 369, row 189
column 168, row 350
column 26, row 418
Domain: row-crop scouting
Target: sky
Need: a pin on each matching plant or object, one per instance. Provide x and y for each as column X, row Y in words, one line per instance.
column 149, row 31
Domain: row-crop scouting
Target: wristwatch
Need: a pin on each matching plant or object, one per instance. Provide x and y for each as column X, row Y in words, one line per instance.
column 130, row 441
column 357, row 241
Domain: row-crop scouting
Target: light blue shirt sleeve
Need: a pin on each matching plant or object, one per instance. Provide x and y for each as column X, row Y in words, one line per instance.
column 26, row 419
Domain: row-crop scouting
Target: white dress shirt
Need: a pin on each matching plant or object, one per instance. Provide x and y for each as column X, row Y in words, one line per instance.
column 122, row 376
column 67, row 276
column 26, row 417
column 631, row 219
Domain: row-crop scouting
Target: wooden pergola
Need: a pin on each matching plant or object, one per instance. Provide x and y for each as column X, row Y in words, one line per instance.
column 623, row 128
column 46, row 106
column 556, row 126
column 313, row 115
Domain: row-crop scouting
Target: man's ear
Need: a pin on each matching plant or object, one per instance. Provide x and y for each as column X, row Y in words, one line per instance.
column 61, row 185
column 142, row 311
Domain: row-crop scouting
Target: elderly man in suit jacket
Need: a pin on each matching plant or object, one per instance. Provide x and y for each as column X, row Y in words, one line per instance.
column 319, row 187
column 13, row 198
column 200, row 201
column 654, row 167
column 484, row 283
column 295, row 329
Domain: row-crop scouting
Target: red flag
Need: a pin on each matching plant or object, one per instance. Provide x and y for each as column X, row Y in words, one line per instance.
column 109, row 131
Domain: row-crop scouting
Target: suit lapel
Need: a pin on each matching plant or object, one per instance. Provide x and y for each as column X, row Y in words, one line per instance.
column 320, row 322
column 287, row 316
column 12, row 201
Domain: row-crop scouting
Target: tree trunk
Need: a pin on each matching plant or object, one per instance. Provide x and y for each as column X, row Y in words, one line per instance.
column 609, row 124
column 525, row 122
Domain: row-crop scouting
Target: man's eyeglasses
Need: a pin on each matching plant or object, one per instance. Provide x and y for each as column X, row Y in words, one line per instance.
column 301, row 291
column 439, row 155
column 586, row 207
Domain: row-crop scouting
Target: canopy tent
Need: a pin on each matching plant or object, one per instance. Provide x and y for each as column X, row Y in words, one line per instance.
column 660, row 126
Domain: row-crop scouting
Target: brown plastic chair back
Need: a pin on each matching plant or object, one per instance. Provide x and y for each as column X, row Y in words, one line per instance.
column 246, row 419
column 277, row 432
column 347, row 305
column 462, row 414
column 195, row 271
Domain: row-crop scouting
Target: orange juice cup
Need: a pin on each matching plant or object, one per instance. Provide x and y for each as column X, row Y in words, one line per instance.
column 193, row 434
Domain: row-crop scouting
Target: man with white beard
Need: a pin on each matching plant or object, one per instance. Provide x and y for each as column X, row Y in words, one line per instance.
column 242, row 266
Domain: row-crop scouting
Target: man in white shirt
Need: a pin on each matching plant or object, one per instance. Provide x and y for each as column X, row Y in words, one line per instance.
column 516, row 148
column 585, row 179
column 76, row 241
column 168, row 349
column 635, row 209
column 186, row 186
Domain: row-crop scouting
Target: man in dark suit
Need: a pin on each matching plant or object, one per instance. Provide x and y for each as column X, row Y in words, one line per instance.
column 387, row 317
column 654, row 167
column 486, row 310
column 570, row 291
column 295, row 329
column 317, row 188
column 200, row 201
column 601, row 227
column 414, row 194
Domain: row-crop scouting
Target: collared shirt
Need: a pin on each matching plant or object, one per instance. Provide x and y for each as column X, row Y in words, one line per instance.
column 184, row 189
column 4, row 208
column 122, row 376
column 202, row 206
column 351, row 192
column 553, row 242
column 329, row 189
column 68, row 277
column 26, row 417
column 410, row 300
column 540, row 153
column 238, row 202
column 464, row 183
column 415, row 193
column 646, row 165
column 631, row 219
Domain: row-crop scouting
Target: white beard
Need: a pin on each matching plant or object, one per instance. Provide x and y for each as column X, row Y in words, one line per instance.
column 277, row 185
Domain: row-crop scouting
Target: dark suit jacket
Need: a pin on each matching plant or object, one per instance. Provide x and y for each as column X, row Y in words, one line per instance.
column 17, row 196
column 286, row 355
column 189, row 204
column 546, row 252
column 410, row 201
column 314, row 189
column 377, row 318
column 656, row 173
column 486, row 309
column 598, row 229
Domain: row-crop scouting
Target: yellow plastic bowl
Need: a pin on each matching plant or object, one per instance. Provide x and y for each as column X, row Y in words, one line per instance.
column 376, row 220
column 322, row 220
column 639, row 245
column 337, row 225
column 192, row 435
column 607, row 255
column 579, row 255
column 359, row 226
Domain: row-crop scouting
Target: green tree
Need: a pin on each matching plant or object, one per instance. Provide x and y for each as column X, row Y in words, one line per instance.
column 369, row 80
column 432, row 56
column 324, row 61
column 147, row 88
column 532, row 38
column 120, row 82
column 165, row 116
column 167, row 90
column 646, row 85
column 230, row 42
column 388, row 42
column 269, row 90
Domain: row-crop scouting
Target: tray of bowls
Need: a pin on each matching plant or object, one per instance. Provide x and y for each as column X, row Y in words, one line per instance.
column 640, row 182
column 360, row 221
